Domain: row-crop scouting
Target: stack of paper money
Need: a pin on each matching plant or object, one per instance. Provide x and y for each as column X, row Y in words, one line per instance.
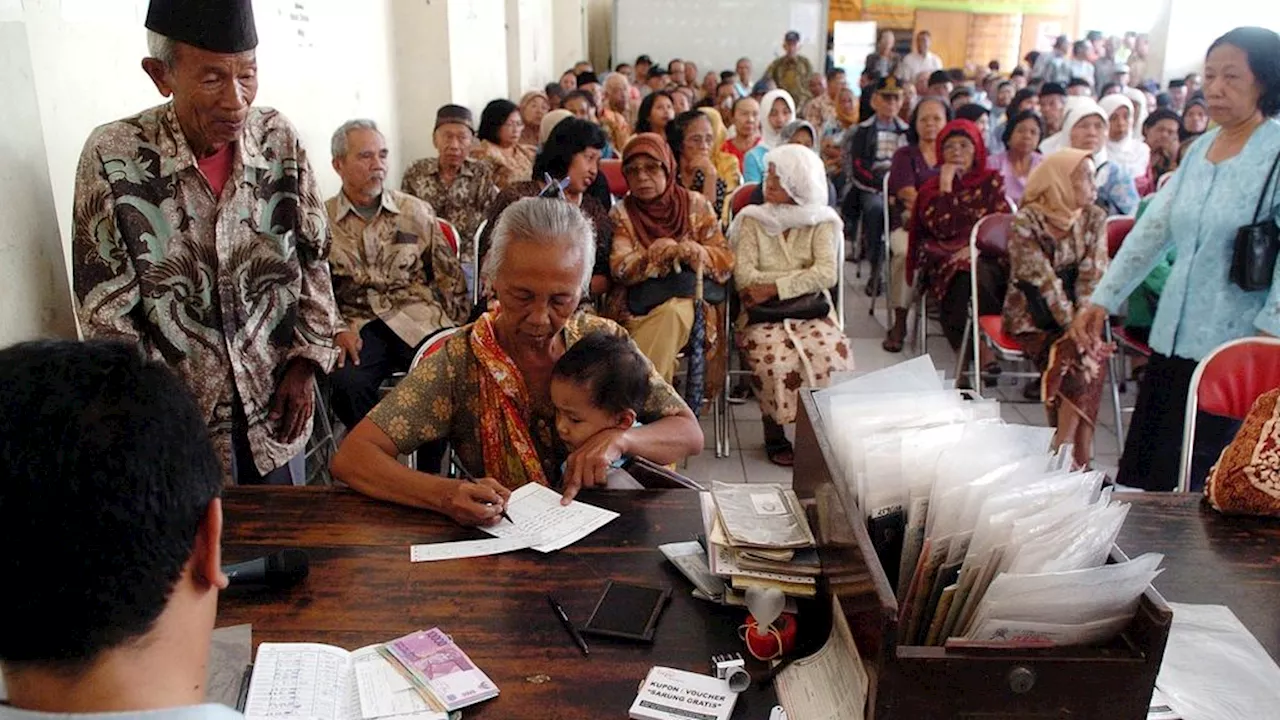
column 439, row 669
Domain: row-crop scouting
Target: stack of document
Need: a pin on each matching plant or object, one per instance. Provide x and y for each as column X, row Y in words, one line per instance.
column 439, row 670
column 758, row 537
column 973, row 518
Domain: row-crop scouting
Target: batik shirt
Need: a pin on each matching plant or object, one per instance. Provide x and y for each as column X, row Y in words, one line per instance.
column 1038, row 261
column 226, row 291
column 464, row 202
column 396, row 267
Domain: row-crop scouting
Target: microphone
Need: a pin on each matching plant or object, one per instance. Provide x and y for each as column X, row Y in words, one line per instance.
column 279, row 569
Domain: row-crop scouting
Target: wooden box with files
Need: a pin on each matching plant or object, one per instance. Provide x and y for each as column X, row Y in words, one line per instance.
column 1110, row 682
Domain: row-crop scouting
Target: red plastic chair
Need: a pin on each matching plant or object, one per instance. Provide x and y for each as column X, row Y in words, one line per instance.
column 989, row 238
column 1226, row 383
column 432, row 345
column 1117, row 230
column 612, row 171
column 741, row 198
column 450, row 235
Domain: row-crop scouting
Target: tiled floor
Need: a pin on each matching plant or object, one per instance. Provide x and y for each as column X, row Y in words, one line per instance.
column 747, row 461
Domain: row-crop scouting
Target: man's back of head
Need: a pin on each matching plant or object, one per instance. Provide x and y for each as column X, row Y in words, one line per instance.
column 111, row 524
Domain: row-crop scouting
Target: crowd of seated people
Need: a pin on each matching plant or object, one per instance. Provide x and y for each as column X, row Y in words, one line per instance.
column 562, row 258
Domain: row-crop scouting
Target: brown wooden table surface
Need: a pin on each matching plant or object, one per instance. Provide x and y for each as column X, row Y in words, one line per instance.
column 362, row 589
column 1210, row 558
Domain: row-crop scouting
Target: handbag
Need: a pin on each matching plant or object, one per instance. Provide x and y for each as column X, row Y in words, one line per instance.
column 643, row 297
column 1253, row 259
column 803, row 307
column 1038, row 307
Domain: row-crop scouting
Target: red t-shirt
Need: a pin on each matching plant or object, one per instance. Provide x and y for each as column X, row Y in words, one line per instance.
column 733, row 150
column 217, row 168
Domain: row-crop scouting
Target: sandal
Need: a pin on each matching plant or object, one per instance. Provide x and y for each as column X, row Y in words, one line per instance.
column 893, row 344
column 782, row 455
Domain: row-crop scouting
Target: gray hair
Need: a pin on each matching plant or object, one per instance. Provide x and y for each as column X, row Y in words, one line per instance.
column 338, row 145
column 162, row 48
column 547, row 222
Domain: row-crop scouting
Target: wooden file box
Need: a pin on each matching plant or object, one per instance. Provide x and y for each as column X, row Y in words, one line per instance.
column 934, row 683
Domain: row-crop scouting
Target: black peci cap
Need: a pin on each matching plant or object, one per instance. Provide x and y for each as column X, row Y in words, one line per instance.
column 454, row 115
column 221, row 26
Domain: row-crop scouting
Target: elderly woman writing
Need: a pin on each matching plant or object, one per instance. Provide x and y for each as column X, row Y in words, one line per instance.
column 948, row 206
column 662, row 234
column 499, row 133
column 487, row 391
column 786, row 268
column 1057, row 254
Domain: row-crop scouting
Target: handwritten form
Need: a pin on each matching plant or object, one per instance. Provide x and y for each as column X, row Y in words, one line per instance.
column 538, row 520
column 306, row 681
column 830, row 684
column 537, row 515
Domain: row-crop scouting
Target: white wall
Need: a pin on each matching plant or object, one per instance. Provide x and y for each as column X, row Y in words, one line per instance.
column 600, row 35
column 34, row 295
column 1193, row 26
column 420, row 45
column 568, row 35
column 477, row 51
column 529, row 46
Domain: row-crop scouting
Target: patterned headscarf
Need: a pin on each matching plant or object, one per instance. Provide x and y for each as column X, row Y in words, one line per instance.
column 666, row 216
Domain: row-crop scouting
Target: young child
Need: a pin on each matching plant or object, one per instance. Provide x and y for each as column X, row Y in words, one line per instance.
column 600, row 383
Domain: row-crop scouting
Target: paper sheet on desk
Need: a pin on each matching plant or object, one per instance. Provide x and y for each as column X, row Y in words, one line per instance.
column 466, row 548
column 540, row 519
column 1215, row 669
column 229, row 654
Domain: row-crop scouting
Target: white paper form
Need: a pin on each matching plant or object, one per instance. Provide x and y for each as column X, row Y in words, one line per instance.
column 538, row 517
column 830, row 684
column 299, row 680
column 384, row 692
column 467, row 548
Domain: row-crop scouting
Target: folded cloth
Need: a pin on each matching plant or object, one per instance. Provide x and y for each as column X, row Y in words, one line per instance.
column 1246, row 478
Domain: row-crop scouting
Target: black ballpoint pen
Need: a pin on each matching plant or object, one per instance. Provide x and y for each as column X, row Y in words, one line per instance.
column 466, row 475
column 242, row 697
column 564, row 620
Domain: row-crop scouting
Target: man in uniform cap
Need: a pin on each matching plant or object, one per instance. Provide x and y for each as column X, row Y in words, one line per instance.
column 200, row 237
column 792, row 71
column 867, row 155
column 458, row 187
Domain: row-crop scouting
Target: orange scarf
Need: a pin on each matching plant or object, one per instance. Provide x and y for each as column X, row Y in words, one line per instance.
column 509, row 453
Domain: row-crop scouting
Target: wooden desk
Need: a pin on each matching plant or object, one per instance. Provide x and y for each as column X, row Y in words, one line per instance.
column 362, row 589
column 1210, row 558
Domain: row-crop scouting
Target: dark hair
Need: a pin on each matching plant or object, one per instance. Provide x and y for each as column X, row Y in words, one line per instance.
column 835, row 72
column 610, row 367
column 738, row 102
column 554, row 90
column 1017, row 120
column 108, row 472
column 585, row 95
column 994, row 66
column 676, row 130
column 1164, row 100
column 1032, row 58
column 1108, row 87
column 972, row 112
column 1052, row 88
column 620, row 66
column 725, row 83
column 727, row 76
column 1021, row 97
column 959, row 92
column 956, row 75
column 1161, row 114
column 646, row 108
column 1177, row 83
column 1079, row 82
column 1079, row 46
column 1004, row 84
column 1017, row 72
column 937, row 77
column 913, row 137
column 644, row 59
column 1262, row 47
column 495, row 114
column 568, row 138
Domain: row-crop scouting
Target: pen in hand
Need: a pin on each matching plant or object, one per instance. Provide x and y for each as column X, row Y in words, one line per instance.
column 466, row 475
column 568, row 626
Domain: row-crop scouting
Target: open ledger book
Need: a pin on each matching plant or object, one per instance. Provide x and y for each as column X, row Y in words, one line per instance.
column 309, row 681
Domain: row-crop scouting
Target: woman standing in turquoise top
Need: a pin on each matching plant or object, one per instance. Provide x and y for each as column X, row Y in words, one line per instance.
column 1213, row 193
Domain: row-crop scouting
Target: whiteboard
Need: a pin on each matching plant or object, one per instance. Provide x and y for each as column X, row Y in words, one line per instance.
column 715, row 33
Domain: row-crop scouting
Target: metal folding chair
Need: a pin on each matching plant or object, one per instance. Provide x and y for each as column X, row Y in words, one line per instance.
column 990, row 238
column 880, row 275
column 475, row 272
column 1227, row 382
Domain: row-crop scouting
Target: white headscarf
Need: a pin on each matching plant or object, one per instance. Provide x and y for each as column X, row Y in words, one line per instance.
column 1079, row 109
column 803, row 176
column 771, row 138
column 1139, row 100
column 1131, row 154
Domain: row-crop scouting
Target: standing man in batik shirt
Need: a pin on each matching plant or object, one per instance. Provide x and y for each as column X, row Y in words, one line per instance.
column 396, row 278
column 791, row 72
column 200, row 236
column 458, row 187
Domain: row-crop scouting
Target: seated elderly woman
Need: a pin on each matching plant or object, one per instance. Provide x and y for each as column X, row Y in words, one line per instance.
column 571, row 156
column 727, row 167
column 662, row 235
column 499, row 134
column 913, row 165
column 779, row 110
column 1057, row 255
column 692, row 138
column 534, row 106
column 1122, row 147
column 946, row 209
column 487, row 391
column 1086, row 128
column 786, row 266
column 802, row 133
column 1022, row 135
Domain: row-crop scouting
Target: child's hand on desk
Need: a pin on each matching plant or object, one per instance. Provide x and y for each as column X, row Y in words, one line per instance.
column 588, row 466
column 479, row 503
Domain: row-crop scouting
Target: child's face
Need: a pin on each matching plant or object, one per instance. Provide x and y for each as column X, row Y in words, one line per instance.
column 577, row 420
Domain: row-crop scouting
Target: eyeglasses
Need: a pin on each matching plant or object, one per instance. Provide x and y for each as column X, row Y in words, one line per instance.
column 638, row 168
column 699, row 139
